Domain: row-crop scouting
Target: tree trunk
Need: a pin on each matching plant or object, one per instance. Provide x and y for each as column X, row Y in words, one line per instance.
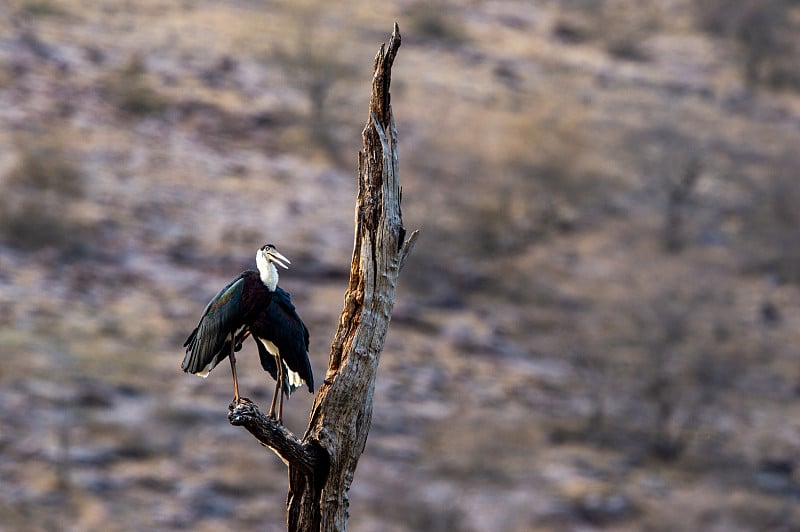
column 322, row 464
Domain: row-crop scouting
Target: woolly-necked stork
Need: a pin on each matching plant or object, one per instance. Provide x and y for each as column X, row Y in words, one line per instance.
column 254, row 304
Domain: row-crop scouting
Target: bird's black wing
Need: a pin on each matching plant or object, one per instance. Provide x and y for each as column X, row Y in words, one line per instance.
column 222, row 319
column 287, row 331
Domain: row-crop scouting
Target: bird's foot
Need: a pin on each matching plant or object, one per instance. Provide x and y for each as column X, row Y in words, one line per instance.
column 239, row 401
column 273, row 417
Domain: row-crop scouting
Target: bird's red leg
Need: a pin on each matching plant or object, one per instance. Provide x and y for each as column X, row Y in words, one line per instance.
column 232, row 358
column 280, row 387
column 274, row 398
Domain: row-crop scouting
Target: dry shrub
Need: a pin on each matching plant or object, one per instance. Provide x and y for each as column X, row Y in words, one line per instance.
column 502, row 179
column 620, row 26
column 130, row 90
column 770, row 241
column 533, row 173
column 678, row 352
column 431, row 22
column 35, row 211
column 46, row 167
column 671, row 166
column 314, row 56
column 38, row 8
column 537, row 176
column 766, row 33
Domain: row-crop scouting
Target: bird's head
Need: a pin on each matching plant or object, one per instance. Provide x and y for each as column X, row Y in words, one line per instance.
column 266, row 259
column 270, row 254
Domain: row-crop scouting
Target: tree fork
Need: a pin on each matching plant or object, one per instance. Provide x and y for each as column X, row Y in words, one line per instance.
column 322, row 464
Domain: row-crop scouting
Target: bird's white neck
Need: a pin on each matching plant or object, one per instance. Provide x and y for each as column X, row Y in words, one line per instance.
column 268, row 271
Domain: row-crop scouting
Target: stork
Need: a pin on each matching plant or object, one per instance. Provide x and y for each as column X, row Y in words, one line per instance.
column 254, row 305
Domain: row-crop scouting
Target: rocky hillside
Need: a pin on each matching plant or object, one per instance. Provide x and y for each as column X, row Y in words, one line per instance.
column 598, row 327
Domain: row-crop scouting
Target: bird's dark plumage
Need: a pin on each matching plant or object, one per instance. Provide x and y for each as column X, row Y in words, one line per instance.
column 282, row 326
column 224, row 318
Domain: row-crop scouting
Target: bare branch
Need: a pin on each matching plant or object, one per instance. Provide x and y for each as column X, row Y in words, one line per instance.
column 272, row 434
column 408, row 245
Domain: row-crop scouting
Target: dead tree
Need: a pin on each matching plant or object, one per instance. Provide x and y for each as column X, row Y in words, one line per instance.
column 679, row 196
column 322, row 463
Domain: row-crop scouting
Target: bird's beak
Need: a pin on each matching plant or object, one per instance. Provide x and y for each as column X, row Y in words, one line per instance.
column 279, row 259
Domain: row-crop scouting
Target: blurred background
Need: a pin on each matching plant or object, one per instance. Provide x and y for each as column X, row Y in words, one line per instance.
column 599, row 326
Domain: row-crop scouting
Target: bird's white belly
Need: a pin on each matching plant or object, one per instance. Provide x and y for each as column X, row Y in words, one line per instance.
column 295, row 380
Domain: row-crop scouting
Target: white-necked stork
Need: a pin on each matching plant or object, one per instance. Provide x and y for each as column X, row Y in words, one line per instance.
column 254, row 304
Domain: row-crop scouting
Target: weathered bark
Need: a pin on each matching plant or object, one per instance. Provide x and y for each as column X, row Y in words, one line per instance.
column 322, row 464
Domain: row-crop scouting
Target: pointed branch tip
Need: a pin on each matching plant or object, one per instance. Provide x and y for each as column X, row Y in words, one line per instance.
column 407, row 246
